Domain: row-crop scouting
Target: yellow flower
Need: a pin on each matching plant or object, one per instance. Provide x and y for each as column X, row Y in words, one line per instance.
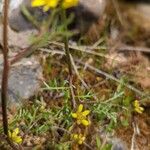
column 137, row 107
column 14, row 136
column 79, row 138
column 81, row 116
column 47, row 4
column 69, row 3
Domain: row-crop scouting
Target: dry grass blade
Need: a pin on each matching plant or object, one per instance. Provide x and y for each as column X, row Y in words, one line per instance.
column 133, row 48
column 77, row 73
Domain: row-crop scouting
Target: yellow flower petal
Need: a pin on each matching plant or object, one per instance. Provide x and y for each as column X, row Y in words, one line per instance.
column 79, row 138
column 16, row 131
column 74, row 115
column 86, row 112
column 80, row 142
column 9, row 134
column 139, row 110
column 46, row 8
column 17, row 139
column 47, row 4
column 75, row 136
column 137, row 107
column 37, row 3
column 53, row 3
column 136, row 103
column 14, row 136
column 85, row 122
column 69, row 3
column 80, row 108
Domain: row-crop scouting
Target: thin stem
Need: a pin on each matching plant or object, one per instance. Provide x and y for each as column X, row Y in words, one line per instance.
column 4, row 85
column 68, row 58
column 66, row 43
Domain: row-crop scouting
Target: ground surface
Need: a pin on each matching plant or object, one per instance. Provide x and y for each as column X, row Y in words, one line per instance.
column 111, row 69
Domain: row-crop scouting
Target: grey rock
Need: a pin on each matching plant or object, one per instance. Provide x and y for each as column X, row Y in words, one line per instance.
column 96, row 8
column 18, row 39
column 24, row 80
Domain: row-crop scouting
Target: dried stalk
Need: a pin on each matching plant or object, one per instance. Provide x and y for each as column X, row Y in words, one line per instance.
column 4, row 85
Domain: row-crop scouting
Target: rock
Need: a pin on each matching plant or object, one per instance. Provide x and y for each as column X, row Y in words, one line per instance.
column 88, row 13
column 18, row 39
column 23, row 80
column 96, row 8
column 16, row 20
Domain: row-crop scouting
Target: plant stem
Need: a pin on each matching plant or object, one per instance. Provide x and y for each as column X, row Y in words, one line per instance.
column 68, row 58
column 67, row 46
column 4, row 85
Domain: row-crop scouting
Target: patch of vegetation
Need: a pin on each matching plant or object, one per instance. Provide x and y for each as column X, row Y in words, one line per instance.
column 79, row 104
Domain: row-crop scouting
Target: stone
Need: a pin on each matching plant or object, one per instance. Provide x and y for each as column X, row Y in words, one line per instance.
column 96, row 8
column 24, row 80
column 18, row 39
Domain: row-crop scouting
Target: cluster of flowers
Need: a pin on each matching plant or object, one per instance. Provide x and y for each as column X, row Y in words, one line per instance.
column 81, row 118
